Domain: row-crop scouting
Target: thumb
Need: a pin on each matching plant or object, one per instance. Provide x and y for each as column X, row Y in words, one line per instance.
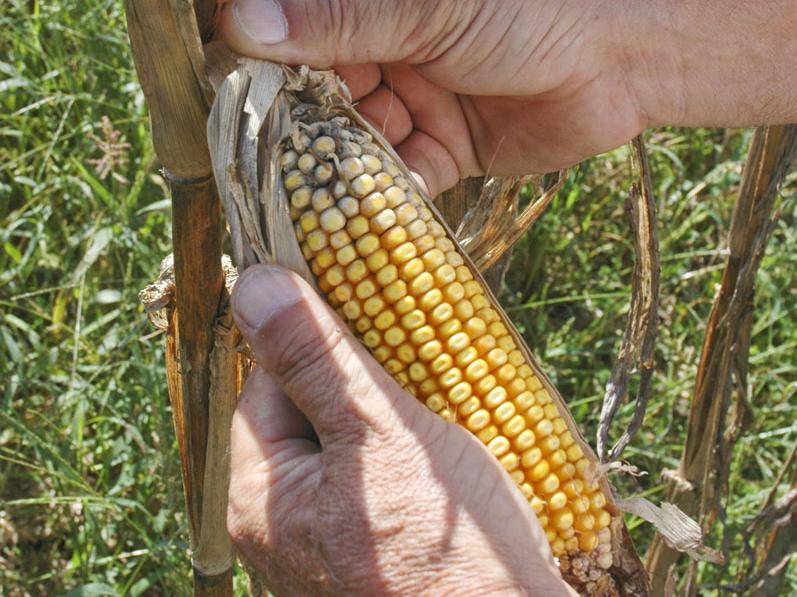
column 323, row 33
column 312, row 356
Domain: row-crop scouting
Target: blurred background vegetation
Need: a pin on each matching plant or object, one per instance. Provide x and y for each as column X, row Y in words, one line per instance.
column 90, row 492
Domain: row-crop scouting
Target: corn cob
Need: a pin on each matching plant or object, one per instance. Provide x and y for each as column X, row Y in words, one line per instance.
column 387, row 265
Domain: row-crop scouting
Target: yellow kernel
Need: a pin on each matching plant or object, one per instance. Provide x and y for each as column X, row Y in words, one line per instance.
column 543, row 397
column 441, row 364
column 372, row 204
column 517, row 476
column 449, row 328
column 430, row 350
column 495, row 358
column 322, row 200
column 418, row 372
column 384, row 320
column 424, row 243
column 352, row 310
column 395, row 196
column 383, row 221
column 365, row 289
column 532, row 381
column 488, row 434
column 495, row 397
column 469, row 406
column 557, row 501
column 514, row 426
column 387, row 274
column 543, row 428
column 450, row 378
column 403, row 253
column 475, row 327
column 566, row 439
column 476, row 370
column 559, row 426
column 472, row 288
column 308, row 221
column 357, row 226
column 515, row 388
column 444, row 275
column 458, row 343
column 395, row 336
column 516, row 358
column 394, row 237
column 566, row 471
column 293, row 180
column 505, row 341
column 584, row 522
column 484, row 344
column 334, row 275
column 433, row 259
column 510, row 461
column 394, row 366
column 539, row 471
column 582, row 467
column 362, row 185
column 463, row 309
column 549, row 444
column 356, row 271
column 383, row 181
column 345, row 255
column 574, row 488
column 580, row 505
column 413, row 320
column 602, row 520
column 459, row 393
column 422, row 335
column 352, row 167
column 465, row 356
column 372, row 338
column 485, row 384
column 479, row 302
column 505, row 374
column 428, row 386
column 551, row 412
column 548, row 485
column 382, row 353
column 597, row 501
column 587, row 542
column 371, row 163
column 374, row 306
column 367, row 244
column 562, row 519
column 504, row 412
column 404, row 305
column 344, row 292
column 411, row 268
column 349, row 206
column 454, row 292
column 436, row 402
column 339, row 239
column 300, row 198
column 478, row 420
column 421, row 284
column 405, row 214
column 531, row 458
column 499, row 446
column 394, row 291
column 524, row 440
column 430, row 299
column 406, row 353
column 574, row 453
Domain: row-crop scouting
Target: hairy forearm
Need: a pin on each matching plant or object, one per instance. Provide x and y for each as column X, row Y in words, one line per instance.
column 711, row 62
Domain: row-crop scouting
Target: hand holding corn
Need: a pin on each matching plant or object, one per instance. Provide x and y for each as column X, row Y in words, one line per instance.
column 462, row 87
column 342, row 483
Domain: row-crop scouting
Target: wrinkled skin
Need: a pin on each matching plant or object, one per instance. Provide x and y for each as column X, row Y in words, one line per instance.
column 343, row 483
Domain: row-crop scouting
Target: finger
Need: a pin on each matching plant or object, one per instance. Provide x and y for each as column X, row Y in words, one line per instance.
column 361, row 79
column 386, row 112
column 430, row 160
column 302, row 343
column 267, row 423
column 326, row 32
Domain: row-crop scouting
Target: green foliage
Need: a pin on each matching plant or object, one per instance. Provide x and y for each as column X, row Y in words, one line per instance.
column 90, row 496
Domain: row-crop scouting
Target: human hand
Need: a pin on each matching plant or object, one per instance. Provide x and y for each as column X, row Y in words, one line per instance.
column 468, row 87
column 343, row 483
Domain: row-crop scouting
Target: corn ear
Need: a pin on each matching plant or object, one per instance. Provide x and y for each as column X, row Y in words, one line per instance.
column 330, row 199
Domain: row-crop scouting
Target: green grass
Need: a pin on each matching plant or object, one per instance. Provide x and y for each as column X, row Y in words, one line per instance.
column 89, row 483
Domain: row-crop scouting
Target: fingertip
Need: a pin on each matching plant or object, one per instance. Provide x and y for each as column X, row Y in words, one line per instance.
column 428, row 158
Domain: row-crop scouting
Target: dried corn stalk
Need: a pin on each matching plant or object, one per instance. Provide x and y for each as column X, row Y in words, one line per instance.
column 308, row 184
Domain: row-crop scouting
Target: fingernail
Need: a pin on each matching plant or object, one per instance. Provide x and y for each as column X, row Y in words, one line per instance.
column 262, row 20
column 261, row 293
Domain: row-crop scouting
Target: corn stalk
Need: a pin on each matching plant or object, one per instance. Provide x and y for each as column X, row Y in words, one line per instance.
column 698, row 485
